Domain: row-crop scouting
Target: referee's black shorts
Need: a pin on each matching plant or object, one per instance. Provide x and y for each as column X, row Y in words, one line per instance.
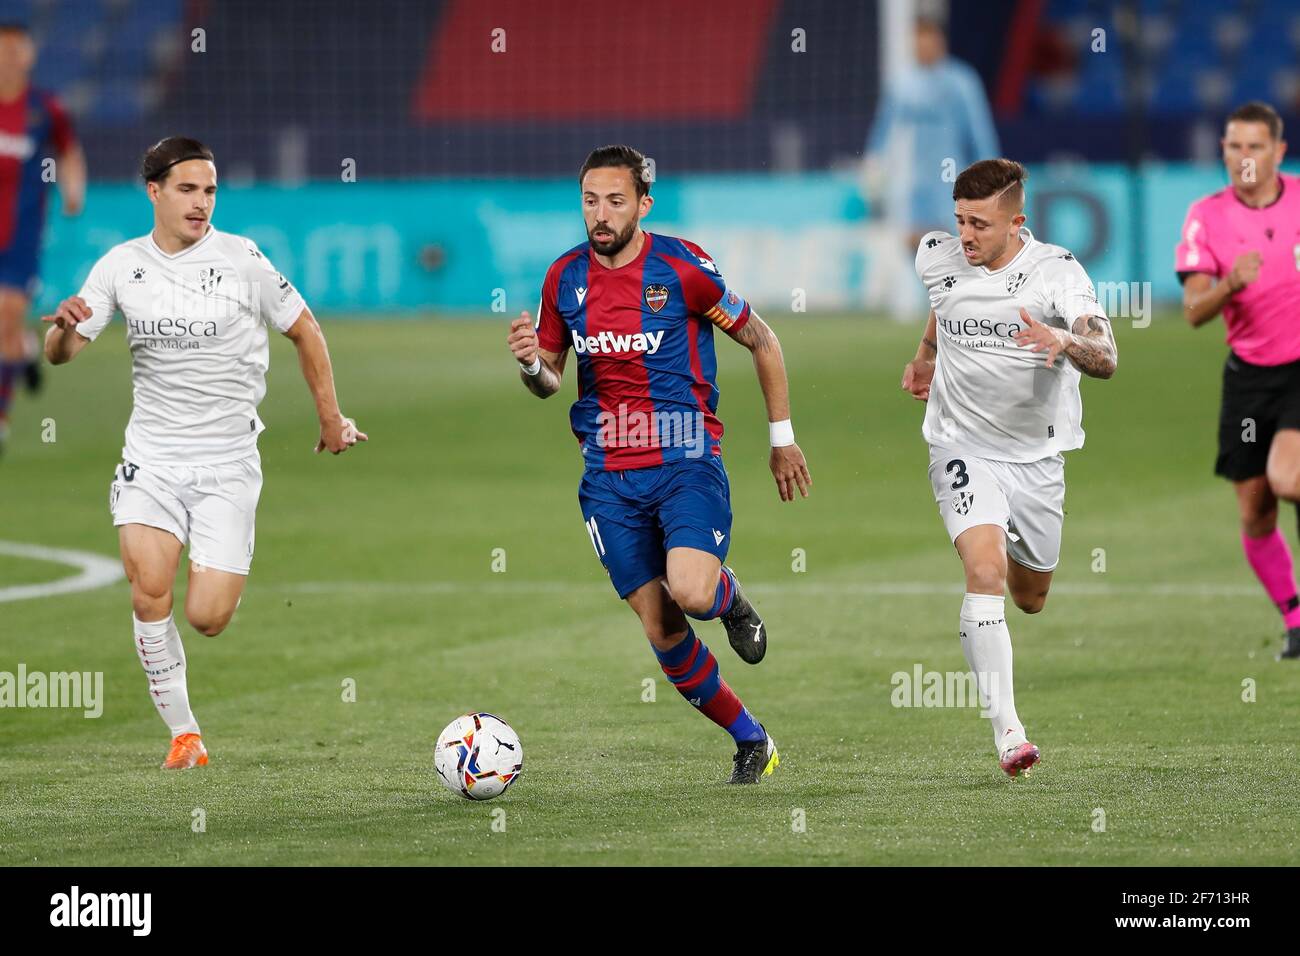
column 1257, row 401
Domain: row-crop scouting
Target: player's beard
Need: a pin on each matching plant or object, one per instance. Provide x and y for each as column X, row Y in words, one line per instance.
column 611, row 247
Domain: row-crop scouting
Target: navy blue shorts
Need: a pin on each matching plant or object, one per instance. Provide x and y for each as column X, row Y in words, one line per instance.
column 633, row 517
column 20, row 267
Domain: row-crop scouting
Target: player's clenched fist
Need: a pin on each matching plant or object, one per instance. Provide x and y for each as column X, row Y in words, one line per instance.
column 1245, row 270
column 70, row 311
column 338, row 435
column 523, row 339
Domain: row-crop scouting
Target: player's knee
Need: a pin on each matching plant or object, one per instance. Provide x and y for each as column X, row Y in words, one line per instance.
column 1030, row 603
column 207, row 622
column 986, row 577
column 1285, row 483
column 693, row 596
column 151, row 600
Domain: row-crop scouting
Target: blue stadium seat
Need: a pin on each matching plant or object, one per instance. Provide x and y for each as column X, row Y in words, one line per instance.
column 118, row 102
column 1176, row 89
column 1101, row 83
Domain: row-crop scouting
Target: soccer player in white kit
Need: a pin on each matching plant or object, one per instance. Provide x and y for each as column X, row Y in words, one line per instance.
column 197, row 304
column 1013, row 323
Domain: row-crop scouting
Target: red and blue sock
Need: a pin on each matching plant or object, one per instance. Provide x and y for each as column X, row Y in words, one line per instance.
column 693, row 670
column 722, row 598
column 9, row 371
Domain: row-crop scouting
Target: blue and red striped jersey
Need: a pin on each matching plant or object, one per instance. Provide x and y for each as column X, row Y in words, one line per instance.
column 643, row 335
column 33, row 128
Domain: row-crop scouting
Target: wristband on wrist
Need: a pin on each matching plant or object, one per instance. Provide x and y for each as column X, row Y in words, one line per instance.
column 532, row 370
column 781, row 433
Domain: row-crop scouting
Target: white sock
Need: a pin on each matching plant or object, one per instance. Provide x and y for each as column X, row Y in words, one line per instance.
column 158, row 644
column 986, row 642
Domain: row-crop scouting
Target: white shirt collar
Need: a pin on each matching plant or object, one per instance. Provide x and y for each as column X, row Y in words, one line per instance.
column 1027, row 238
column 188, row 249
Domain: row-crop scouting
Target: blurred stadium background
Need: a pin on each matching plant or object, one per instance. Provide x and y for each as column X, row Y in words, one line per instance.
column 466, row 141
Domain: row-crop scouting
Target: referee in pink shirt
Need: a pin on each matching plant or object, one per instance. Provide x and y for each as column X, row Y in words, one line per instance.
column 1240, row 255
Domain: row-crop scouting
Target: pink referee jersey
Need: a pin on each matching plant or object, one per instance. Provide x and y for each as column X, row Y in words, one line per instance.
column 1263, row 319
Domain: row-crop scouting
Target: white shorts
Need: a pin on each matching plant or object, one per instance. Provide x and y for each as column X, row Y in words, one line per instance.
column 210, row 507
column 1026, row 499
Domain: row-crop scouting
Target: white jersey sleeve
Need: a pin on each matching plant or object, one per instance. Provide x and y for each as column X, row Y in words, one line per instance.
column 1064, row 291
column 933, row 251
column 100, row 293
column 275, row 299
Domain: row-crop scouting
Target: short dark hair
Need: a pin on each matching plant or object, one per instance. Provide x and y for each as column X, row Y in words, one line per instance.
column 166, row 153
column 1257, row 111
column 992, row 177
column 625, row 156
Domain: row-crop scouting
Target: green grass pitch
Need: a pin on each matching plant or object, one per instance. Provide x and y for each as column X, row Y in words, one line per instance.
column 378, row 567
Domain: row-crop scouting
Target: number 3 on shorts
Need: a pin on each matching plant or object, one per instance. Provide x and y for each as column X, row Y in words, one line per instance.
column 959, row 466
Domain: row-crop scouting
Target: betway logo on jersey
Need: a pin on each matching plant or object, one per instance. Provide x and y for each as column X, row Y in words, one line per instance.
column 13, row 146
column 615, row 343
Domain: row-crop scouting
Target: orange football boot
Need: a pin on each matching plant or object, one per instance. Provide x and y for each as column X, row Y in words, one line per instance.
column 187, row 751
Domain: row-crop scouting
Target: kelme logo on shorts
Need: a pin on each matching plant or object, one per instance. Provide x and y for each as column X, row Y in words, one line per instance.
column 612, row 343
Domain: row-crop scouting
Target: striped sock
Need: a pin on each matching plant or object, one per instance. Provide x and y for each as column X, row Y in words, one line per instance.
column 8, row 372
column 693, row 670
column 722, row 598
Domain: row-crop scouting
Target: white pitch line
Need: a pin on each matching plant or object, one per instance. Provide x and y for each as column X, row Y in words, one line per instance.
column 833, row 589
column 95, row 571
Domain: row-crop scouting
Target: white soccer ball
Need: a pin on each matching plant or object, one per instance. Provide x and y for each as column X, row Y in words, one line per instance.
column 478, row 756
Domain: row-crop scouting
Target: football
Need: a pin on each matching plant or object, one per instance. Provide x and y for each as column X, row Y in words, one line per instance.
column 478, row 756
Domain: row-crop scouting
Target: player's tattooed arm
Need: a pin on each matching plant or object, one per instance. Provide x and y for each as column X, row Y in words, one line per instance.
column 757, row 336
column 547, row 380
column 526, row 349
column 1089, row 344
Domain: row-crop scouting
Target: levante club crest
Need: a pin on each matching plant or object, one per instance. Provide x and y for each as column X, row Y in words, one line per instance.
column 656, row 296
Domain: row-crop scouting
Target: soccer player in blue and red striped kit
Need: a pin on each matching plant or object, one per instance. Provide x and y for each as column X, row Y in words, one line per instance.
column 639, row 310
column 34, row 130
